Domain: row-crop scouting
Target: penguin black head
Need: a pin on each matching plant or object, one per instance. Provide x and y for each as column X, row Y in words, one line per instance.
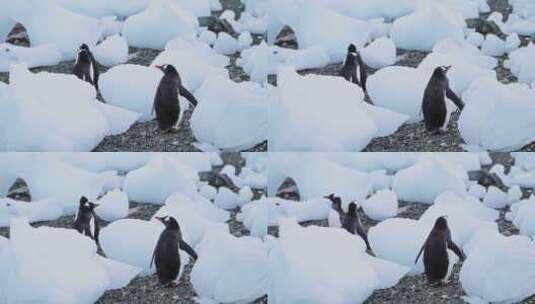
column 441, row 223
column 352, row 208
column 169, row 222
column 84, row 55
column 86, row 205
column 441, row 71
column 335, row 200
column 84, row 47
column 168, row 69
column 352, row 48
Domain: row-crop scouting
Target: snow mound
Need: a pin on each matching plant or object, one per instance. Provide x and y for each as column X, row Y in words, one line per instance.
column 231, row 116
column 162, row 21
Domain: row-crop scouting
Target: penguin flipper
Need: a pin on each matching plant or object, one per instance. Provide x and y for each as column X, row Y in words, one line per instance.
column 419, row 253
column 187, row 248
column 184, row 92
column 364, row 236
column 153, row 255
column 452, row 246
column 97, row 227
column 363, row 73
column 456, row 100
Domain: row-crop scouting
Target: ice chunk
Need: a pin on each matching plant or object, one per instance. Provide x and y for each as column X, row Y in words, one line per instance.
column 112, row 51
column 162, row 21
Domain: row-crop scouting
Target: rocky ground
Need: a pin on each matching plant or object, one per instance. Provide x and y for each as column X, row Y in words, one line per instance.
column 411, row 289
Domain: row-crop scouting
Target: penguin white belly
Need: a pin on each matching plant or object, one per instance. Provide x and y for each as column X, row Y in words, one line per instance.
column 334, row 219
column 91, row 71
column 451, row 263
column 450, row 108
column 184, row 259
column 184, row 105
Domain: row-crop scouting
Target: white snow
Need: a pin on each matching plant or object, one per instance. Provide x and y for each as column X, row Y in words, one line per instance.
column 437, row 175
column 113, row 206
column 162, row 21
column 491, row 273
column 66, row 270
column 47, row 22
column 131, row 241
column 493, row 46
column 497, row 117
column 325, row 113
column 294, row 267
column 159, row 179
column 230, row 269
column 226, row 199
column 231, row 116
column 49, row 178
column 37, row 211
column 262, row 60
column 382, row 205
column 131, row 87
column 25, row 128
column 427, row 25
column 43, row 55
column 112, row 51
column 380, row 53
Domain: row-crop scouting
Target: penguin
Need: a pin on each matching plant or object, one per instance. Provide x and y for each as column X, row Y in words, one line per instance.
column 166, row 102
column 336, row 214
column 435, row 249
column 434, row 109
column 352, row 224
column 166, row 255
column 354, row 69
column 85, row 220
column 85, row 66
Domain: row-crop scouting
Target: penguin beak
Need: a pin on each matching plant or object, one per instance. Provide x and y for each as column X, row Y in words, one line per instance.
column 161, row 219
column 447, row 68
column 159, row 67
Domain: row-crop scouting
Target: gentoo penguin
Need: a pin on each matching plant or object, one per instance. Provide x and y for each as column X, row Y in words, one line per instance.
column 352, row 224
column 354, row 69
column 435, row 249
column 85, row 66
column 85, row 220
column 436, row 113
column 166, row 254
column 336, row 214
column 166, row 103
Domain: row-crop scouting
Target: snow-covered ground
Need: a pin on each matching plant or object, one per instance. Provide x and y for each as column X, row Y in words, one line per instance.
column 386, row 35
column 219, row 200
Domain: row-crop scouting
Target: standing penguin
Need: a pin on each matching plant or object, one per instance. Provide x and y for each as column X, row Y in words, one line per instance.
column 336, row 214
column 85, row 220
column 85, row 66
column 166, row 103
column 166, row 254
column 435, row 249
column 354, row 69
column 436, row 114
column 352, row 224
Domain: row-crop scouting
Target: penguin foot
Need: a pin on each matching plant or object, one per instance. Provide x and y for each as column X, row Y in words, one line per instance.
column 436, row 132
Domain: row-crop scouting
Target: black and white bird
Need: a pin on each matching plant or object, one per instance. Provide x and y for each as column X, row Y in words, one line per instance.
column 353, row 225
column 435, row 249
column 354, row 68
column 434, row 106
column 166, row 101
column 85, row 66
column 85, row 220
column 166, row 255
